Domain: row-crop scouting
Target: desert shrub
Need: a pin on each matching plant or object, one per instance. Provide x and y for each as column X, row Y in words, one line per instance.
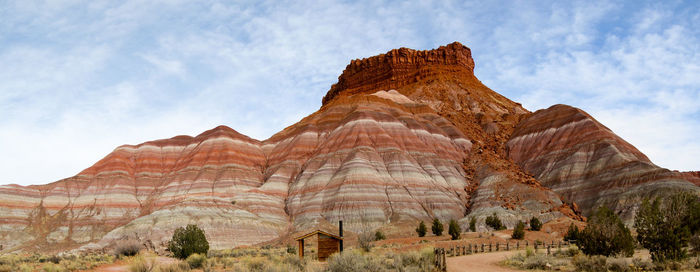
column 537, row 261
column 618, row 265
column 494, row 222
column 606, row 235
column 572, row 233
column 196, row 260
column 472, row 224
column 187, row 241
column 454, row 230
column 5, row 268
column 123, row 248
column 642, row 265
column 535, row 224
column 592, row 263
column 351, row 260
column 665, row 226
column 379, row 236
column 364, row 240
column 519, row 231
column 421, row 229
column 140, row 264
column 52, row 267
column 437, row 227
column 174, row 267
column 291, row 249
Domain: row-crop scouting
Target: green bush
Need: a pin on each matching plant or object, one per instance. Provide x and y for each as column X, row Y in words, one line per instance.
column 454, row 230
column 421, row 229
column 666, row 226
column 196, row 260
column 572, row 233
column 494, row 222
column 606, row 235
column 519, row 231
column 187, row 241
column 437, row 227
column 535, row 224
column 379, row 236
column 472, row 224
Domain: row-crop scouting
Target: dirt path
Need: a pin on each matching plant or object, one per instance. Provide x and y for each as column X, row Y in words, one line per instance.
column 480, row 262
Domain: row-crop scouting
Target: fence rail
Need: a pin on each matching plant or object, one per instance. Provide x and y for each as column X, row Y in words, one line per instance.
column 459, row 249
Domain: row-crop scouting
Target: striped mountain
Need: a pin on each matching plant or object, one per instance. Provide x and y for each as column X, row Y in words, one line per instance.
column 404, row 136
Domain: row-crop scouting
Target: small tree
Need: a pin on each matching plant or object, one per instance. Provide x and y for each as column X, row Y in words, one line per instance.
column 519, row 231
column 379, row 236
column 494, row 222
column 472, row 224
column 535, row 224
column 421, row 229
column 665, row 226
column 187, row 241
column 454, row 230
column 437, row 227
column 606, row 235
column 572, row 233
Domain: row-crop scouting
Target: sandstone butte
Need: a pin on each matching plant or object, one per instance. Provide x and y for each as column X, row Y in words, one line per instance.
column 404, row 136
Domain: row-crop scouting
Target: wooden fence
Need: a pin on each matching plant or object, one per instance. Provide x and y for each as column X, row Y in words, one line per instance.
column 460, row 249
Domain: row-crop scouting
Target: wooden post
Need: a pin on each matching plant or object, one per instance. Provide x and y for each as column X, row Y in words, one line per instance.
column 559, row 244
column 490, row 247
column 301, row 248
column 517, row 245
column 482, row 247
column 507, row 246
column 549, row 252
column 526, row 243
column 498, row 245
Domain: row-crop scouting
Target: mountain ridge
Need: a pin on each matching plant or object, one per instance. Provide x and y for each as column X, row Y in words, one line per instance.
column 404, row 136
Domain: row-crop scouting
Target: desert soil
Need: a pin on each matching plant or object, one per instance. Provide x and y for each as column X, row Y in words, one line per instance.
column 480, row 262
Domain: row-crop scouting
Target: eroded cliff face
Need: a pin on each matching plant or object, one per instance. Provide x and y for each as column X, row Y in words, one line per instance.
column 585, row 162
column 404, row 136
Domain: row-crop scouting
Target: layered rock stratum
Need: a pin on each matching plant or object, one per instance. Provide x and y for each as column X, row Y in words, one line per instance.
column 404, row 136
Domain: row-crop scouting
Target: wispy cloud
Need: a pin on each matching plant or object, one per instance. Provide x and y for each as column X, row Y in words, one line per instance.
column 82, row 77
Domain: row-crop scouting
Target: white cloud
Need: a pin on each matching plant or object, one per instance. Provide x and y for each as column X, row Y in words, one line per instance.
column 79, row 79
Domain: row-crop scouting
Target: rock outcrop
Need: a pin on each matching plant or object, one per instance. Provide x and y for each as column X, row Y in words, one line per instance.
column 404, row 136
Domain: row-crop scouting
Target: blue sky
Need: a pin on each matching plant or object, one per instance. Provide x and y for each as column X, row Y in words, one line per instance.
column 79, row 78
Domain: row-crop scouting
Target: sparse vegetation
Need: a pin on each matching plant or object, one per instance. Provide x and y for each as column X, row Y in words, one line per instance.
column 196, row 260
column 187, row 241
column 364, row 240
column 472, row 224
column 494, row 222
column 665, row 227
column 40, row 262
column 437, row 227
column 126, row 248
column 535, row 224
column 421, row 229
column 454, row 230
column 606, row 235
column 519, row 231
column 352, row 260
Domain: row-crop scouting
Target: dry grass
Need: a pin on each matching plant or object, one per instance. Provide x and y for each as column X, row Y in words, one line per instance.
column 49, row 263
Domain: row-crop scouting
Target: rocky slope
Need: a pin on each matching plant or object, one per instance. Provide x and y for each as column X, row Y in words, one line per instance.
column 404, row 136
column 570, row 152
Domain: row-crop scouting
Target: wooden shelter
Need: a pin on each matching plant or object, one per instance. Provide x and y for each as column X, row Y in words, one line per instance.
column 327, row 244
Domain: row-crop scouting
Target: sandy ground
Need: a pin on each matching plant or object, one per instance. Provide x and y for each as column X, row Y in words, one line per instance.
column 480, row 262
column 124, row 267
